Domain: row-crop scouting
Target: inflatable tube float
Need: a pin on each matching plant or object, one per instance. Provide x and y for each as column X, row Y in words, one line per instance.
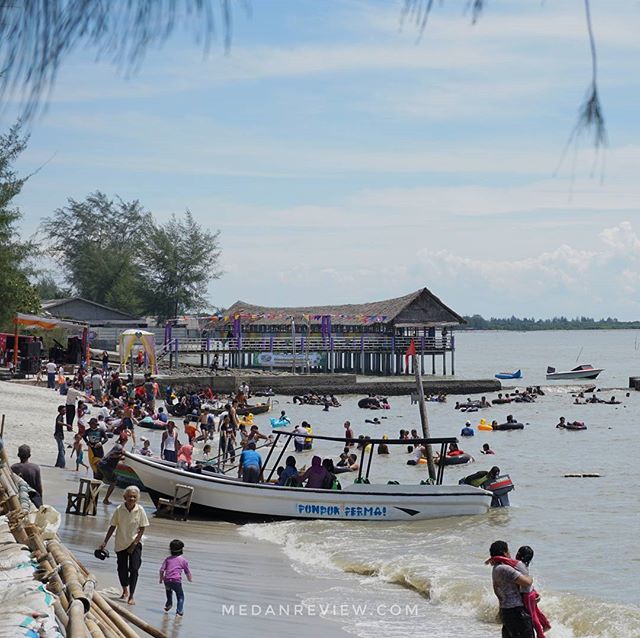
column 486, row 427
column 509, row 426
column 458, row 459
column 176, row 410
column 369, row 403
column 574, row 425
column 279, row 423
column 500, row 401
column 149, row 423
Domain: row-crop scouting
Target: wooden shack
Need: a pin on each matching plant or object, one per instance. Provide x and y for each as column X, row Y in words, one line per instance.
column 370, row 338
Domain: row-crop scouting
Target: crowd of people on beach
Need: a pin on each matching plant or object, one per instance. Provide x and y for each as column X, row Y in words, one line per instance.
column 101, row 409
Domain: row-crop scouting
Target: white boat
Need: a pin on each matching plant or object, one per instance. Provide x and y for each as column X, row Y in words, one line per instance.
column 221, row 496
column 580, row 372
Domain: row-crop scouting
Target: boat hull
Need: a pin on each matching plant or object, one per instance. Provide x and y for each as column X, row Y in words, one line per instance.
column 574, row 374
column 221, row 497
column 509, row 375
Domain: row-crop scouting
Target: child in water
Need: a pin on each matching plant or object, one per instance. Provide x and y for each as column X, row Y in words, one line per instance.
column 78, row 449
column 530, row 596
column 171, row 576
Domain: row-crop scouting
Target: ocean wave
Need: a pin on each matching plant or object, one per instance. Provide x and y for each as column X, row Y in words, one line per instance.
column 434, row 569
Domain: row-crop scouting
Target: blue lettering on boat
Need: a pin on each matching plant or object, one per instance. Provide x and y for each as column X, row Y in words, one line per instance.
column 319, row 510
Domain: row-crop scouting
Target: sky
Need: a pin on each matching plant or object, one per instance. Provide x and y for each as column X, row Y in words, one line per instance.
column 345, row 159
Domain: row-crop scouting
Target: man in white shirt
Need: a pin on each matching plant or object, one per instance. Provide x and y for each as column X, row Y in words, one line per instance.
column 51, row 375
column 74, row 394
column 300, row 435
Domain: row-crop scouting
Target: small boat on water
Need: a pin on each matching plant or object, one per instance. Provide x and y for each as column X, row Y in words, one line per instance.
column 178, row 410
column 222, row 496
column 509, row 375
column 256, row 408
column 580, row 372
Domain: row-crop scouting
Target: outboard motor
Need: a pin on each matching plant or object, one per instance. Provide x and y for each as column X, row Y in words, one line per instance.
column 500, row 487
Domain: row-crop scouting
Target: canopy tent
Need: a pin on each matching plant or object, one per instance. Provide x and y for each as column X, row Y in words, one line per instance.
column 27, row 321
column 48, row 323
column 129, row 338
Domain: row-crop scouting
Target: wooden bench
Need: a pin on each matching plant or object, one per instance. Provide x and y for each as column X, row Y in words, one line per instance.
column 85, row 501
column 181, row 501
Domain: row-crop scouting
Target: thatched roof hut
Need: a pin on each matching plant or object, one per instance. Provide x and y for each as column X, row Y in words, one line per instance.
column 417, row 309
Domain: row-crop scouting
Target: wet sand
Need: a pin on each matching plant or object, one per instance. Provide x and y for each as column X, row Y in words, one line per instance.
column 227, row 570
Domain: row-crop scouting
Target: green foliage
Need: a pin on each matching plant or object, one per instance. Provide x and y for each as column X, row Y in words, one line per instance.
column 47, row 288
column 182, row 258
column 98, row 243
column 16, row 293
column 114, row 253
column 476, row 322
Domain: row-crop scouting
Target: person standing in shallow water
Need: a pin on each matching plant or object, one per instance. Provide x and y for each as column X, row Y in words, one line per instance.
column 128, row 522
column 516, row 622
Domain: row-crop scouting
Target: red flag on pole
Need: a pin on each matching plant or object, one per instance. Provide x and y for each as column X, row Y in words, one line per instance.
column 411, row 350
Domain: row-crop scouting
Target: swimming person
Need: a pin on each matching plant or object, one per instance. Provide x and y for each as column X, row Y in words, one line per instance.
column 171, row 575
column 467, row 430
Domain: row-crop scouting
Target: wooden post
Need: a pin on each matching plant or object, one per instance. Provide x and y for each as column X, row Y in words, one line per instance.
column 293, row 345
column 453, row 349
column 423, row 416
column 16, row 335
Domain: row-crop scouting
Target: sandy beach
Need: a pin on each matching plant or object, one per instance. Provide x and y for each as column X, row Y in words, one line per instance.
column 240, row 584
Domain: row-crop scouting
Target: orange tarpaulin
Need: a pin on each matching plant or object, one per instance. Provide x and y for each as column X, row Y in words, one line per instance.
column 47, row 323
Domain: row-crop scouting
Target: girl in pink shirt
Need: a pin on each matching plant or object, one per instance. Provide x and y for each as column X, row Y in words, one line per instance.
column 171, row 575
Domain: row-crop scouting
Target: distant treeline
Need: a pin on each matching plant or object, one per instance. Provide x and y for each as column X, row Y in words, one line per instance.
column 477, row 322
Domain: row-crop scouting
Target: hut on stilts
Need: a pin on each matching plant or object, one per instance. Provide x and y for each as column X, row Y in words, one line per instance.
column 369, row 339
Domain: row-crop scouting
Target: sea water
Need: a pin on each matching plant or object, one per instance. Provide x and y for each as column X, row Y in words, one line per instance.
column 428, row 578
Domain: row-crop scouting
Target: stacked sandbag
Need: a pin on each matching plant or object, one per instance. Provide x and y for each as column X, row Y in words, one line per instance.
column 26, row 607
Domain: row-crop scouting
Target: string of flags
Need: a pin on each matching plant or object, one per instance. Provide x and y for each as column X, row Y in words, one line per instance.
column 238, row 316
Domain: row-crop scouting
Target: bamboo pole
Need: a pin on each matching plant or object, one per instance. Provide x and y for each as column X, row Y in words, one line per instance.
column 61, row 614
column 138, row 622
column 76, row 627
column 109, row 608
column 114, row 617
column 423, row 415
column 107, row 626
column 94, row 629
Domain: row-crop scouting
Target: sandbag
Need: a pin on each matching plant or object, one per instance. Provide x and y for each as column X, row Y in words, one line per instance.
column 47, row 519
